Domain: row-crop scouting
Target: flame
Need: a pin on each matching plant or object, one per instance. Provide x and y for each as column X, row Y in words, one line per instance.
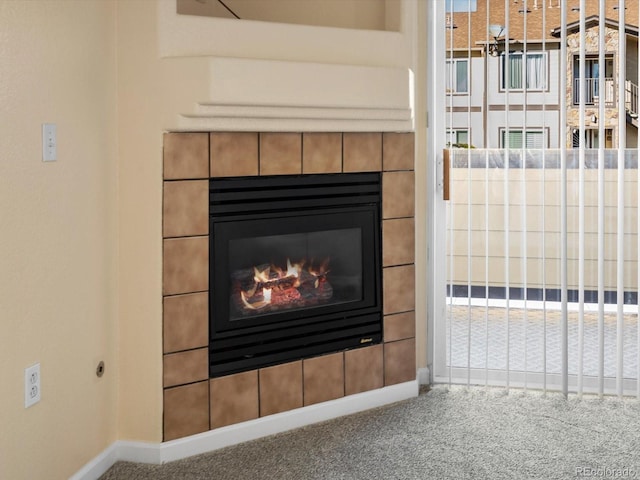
column 273, row 283
column 293, row 270
column 261, row 276
column 321, row 269
column 257, row 305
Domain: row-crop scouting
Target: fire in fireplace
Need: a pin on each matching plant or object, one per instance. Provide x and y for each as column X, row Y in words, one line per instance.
column 269, row 288
column 295, row 268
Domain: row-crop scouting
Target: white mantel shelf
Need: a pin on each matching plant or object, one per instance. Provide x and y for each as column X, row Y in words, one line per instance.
column 212, row 117
column 266, row 95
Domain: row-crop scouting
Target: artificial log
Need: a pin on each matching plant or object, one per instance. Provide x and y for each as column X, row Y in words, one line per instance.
column 305, row 290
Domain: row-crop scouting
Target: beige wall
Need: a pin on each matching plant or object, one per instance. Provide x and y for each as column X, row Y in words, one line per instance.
column 58, row 243
column 139, row 201
column 81, row 253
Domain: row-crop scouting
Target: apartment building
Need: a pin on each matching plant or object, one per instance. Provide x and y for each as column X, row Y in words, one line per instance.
column 504, row 84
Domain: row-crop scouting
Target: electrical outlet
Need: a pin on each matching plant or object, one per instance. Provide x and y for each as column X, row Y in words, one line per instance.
column 31, row 385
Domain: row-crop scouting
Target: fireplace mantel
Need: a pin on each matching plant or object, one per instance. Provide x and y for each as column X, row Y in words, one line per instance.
column 258, row 76
column 266, row 95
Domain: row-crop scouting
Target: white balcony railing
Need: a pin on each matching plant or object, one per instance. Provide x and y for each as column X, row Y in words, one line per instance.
column 593, row 91
column 480, row 177
column 631, row 98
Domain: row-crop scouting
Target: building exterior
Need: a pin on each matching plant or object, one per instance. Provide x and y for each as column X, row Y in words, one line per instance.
column 499, row 96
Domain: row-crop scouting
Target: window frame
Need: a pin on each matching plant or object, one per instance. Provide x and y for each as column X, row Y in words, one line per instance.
column 453, row 69
column 590, row 138
column 456, row 132
column 541, row 130
column 591, row 58
column 503, row 58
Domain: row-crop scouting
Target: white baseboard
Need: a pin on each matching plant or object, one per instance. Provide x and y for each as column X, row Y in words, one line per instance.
column 99, row 465
column 424, row 376
column 158, row 453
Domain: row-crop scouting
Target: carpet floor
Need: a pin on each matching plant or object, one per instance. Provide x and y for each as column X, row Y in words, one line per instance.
column 444, row 433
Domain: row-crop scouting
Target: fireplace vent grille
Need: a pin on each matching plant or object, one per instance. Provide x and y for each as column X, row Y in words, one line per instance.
column 231, row 196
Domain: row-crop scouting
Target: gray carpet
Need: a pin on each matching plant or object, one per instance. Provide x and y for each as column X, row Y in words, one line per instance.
column 442, row 434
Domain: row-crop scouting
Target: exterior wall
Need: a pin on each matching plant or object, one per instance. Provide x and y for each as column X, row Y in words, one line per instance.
column 465, row 109
column 535, row 120
column 591, row 47
column 632, row 59
column 476, row 85
column 493, row 119
column 536, row 117
column 632, row 136
column 473, row 123
column 551, row 97
column 58, row 248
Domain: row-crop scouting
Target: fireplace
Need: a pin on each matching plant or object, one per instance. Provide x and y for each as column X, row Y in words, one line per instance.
column 195, row 399
column 295, row 268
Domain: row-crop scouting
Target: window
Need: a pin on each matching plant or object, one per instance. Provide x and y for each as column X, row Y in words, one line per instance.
column 591, row 139
column 514, row 70
column 592, row 80
column 533, row 139
column 461, row 5
column 457, row 137
column 458, row 76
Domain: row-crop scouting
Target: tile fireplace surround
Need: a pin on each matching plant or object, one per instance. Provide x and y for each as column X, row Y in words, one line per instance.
column 193, row 403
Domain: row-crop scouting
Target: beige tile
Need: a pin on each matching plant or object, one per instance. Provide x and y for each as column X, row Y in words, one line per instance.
column 399, row 289
column 398, row 194
column 399, row 326
column 321, row 152
column 185, row 266
column 280, row 153
column 234, row 154
column 186, row 155
column 397, row 151
column 363, row 369
column 398, row 241
column 185, row 208
column 185, row 367
column 185, row 322
column 280, row 388
column 362, row 152
column 323, row 378
column 186, row 410
column 234, row 398
column 399, row 361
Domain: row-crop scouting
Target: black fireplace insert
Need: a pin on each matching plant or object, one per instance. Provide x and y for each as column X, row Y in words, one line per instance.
column 295, row 268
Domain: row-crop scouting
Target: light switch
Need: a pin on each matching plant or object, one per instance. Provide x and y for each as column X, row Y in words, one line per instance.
column 49, row 142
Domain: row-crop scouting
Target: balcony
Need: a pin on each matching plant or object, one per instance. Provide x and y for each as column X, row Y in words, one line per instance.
column 592, row 86
column 504, row 278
